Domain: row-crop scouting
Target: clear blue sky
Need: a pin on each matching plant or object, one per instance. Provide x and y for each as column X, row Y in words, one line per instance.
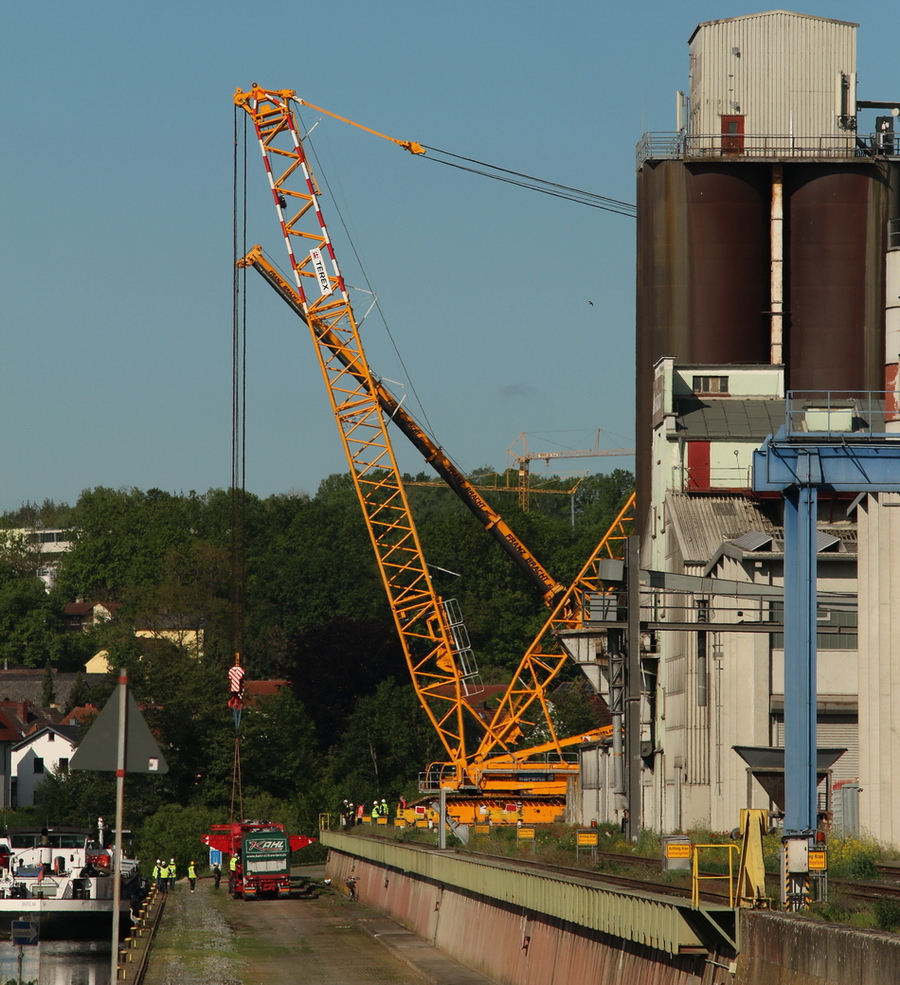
column 115, row 285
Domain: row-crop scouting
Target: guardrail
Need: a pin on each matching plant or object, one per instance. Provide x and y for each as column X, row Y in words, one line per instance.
column 678, row 145
column 839, row 413
column 135, row 953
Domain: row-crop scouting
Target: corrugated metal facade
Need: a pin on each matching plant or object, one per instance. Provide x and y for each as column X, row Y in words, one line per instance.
column 778, row 70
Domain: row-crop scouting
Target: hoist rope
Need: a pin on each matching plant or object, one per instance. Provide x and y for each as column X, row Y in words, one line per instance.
column 237, row 786
column 591, row 199
column 238, row 436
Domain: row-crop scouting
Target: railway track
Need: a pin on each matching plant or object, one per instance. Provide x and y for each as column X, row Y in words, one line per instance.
column 860, row 890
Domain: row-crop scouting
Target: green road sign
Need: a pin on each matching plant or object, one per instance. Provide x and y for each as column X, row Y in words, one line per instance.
column 98, row 748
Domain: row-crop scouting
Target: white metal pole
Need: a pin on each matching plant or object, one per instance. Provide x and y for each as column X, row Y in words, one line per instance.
column 120, row 805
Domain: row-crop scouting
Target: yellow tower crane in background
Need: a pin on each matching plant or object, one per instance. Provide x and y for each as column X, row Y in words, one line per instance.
column 522, row 461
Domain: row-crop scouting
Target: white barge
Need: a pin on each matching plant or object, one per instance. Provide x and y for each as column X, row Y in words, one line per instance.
column 63, row 877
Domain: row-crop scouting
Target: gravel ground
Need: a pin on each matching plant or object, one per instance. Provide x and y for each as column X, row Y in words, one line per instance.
column 207, row 938
column 194, row 944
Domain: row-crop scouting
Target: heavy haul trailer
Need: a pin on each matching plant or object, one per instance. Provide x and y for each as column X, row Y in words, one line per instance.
column 262, row 854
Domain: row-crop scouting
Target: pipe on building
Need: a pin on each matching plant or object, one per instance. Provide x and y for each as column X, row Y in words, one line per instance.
column 892, row 329
column 702, row 670
column 776, row 277
column 616, row 706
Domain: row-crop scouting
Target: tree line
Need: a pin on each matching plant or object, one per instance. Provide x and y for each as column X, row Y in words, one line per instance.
column 314, row 613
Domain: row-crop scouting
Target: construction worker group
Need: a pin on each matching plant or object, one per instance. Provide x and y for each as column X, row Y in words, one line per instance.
column 354, row 813
column 165, row 874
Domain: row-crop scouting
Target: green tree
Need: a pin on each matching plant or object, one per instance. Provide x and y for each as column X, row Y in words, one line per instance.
column 31, row 631
column 123, row 538
column 78, row 695
column 388, row 742
column 48, row 693
column 174, row 831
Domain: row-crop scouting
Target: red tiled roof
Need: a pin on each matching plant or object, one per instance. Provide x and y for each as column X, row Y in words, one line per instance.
column 263, row 689
column 77, row 715
column 78, row 608
column 8, row 732
column 83, row 608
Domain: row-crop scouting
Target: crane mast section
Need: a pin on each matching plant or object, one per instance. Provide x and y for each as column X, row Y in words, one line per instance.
column 492, row 521
column 546, row 656
column 419, row 614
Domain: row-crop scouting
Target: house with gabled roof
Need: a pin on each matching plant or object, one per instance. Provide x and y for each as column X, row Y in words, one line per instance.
column 46, row 750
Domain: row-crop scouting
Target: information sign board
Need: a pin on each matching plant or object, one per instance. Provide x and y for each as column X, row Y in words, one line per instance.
column 818, row 860
column 678, row 849
column 25, row 932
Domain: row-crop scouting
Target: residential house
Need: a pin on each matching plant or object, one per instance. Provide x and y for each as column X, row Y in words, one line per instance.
column 46, row 750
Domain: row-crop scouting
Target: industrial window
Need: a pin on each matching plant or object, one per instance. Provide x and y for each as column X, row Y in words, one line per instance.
column 710, row 384
column 38, row 764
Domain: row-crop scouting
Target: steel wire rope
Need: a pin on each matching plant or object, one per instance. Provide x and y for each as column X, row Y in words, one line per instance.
column 238, row 428
column 568, row 192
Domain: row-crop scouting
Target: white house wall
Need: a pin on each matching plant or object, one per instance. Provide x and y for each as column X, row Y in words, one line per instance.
column 50, row 747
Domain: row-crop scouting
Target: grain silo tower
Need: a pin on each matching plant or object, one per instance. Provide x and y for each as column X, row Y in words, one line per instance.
column 763, row 219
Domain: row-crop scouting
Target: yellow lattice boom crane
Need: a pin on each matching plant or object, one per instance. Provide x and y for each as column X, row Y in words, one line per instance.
column 430, row 629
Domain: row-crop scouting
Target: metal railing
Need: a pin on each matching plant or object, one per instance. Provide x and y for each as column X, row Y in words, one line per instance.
column 840, row 413
column 679, row 145
column 697, row 878
column 706, row 478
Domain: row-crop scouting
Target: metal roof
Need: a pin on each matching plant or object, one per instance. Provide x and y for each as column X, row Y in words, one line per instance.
column 702, row 523
column 728, row 417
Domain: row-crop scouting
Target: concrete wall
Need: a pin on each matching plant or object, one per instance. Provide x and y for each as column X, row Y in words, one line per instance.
column 509, row 944
column 879, row 666
column 517, row 946
column 780, row 950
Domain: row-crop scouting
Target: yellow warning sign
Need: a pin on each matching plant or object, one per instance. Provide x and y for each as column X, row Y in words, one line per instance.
column 526, row 834
column 678, row 849
column 818, row 860
column 587, row 838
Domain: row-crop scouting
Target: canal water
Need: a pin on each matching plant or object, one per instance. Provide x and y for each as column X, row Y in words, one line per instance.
column 58, row 962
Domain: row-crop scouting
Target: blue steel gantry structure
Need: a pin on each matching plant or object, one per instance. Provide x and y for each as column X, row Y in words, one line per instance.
column 832, row 442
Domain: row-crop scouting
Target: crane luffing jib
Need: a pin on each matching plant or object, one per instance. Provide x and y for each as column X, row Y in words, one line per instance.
column 418, row 612
column 550, row 589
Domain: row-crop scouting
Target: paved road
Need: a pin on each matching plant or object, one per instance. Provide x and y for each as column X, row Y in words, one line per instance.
column 207, row 938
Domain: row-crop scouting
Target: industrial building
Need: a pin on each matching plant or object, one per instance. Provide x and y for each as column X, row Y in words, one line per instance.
column 768, row 264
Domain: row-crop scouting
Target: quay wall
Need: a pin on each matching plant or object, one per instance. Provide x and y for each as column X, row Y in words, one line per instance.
column 516, row 945
column 509, row 943
column 780, row 950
